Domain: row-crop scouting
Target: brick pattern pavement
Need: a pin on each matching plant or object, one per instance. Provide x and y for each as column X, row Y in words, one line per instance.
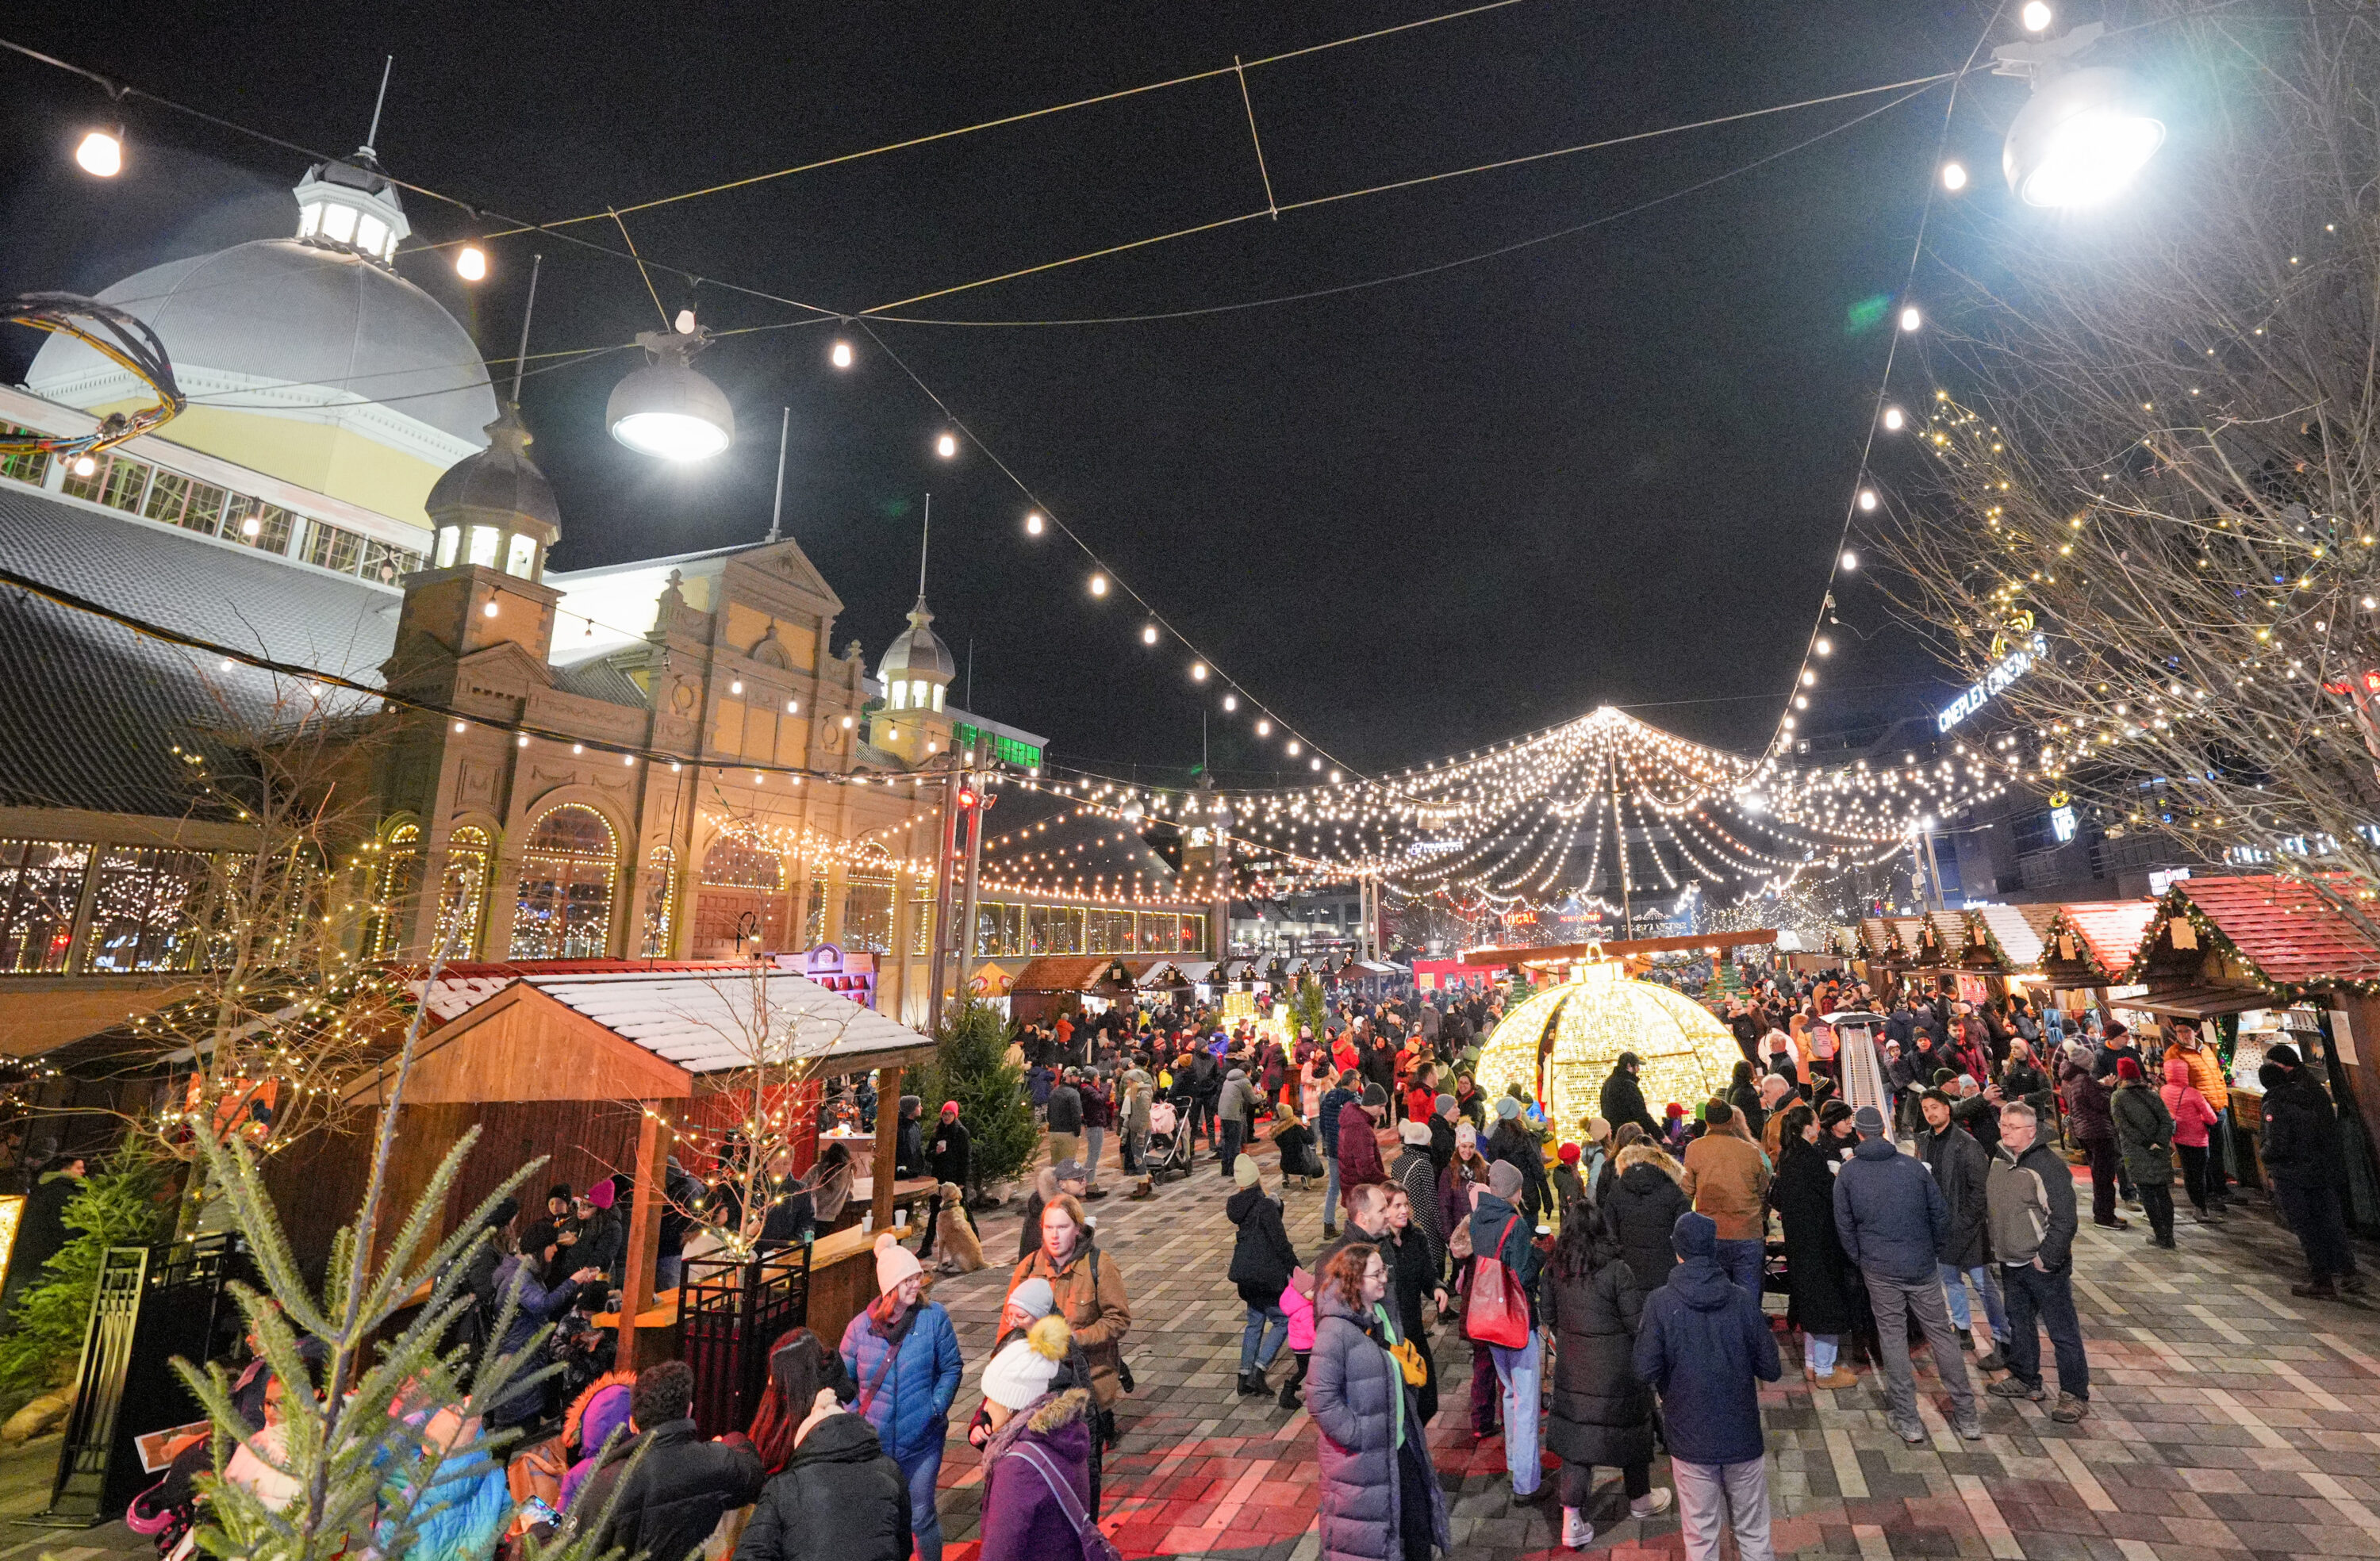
column 2229, row 1420
column 2230, row 1423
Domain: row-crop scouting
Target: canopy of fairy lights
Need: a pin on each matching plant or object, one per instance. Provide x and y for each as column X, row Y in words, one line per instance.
column 1560, row 1045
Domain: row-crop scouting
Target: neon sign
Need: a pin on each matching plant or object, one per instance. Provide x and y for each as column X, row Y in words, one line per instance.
column 2012, row 666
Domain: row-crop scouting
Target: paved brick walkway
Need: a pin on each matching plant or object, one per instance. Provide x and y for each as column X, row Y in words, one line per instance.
column 2229, row 1420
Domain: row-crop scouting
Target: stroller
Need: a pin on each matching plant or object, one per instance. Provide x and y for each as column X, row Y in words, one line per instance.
column 1169, row 1142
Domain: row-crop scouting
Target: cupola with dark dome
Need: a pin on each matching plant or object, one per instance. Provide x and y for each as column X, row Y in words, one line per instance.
column 495, row 508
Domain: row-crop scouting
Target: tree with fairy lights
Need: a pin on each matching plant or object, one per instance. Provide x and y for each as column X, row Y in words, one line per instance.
column 281, row 1016
column 2168, row 469
column 781, row 1034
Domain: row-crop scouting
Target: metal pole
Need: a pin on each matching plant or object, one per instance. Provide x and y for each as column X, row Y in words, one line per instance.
column 1934, row 872
column 777, row 511
column 967, row 916
column 936, row 966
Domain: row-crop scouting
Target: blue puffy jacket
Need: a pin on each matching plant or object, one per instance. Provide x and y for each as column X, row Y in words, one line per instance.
column 1701, row 1344
column 1890, row 1215
column 911, row 1406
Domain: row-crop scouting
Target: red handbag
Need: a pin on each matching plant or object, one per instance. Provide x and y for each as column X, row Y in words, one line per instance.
column 1496, row 1311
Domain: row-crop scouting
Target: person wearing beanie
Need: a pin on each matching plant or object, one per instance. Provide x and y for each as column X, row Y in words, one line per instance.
column 600, row 1237
column 1567, row 1189
column 838, row 1496
column 1961, row 1168
column 904, row 1353
column 1262, row 1261
column 1359, row 1145
column 1705, row 1347
column 2094, row 1131
column 1444, row 1117
column 1623, row 1097
column 1514, row 1143
column 1046, row 1437
column 2304, row 1160
column 1894, row 1222
column 1344, row 1092
column 1501, row 1233
column 1727, row 1176
column 1235, row 1115
column 2144, row 1139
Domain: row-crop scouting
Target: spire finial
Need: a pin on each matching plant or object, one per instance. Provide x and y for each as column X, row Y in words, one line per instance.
column 777, row 513
column 925, row 535
column 373, row 135
column 520, row 361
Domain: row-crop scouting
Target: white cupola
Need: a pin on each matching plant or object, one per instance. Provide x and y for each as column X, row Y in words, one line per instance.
column 352, row 206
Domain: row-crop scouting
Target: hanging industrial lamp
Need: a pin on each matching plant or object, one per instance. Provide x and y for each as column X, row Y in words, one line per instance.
column 667, row 409
column 2083, row 137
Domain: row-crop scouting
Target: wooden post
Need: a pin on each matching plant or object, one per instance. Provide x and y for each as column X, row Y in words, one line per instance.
column 888, row 1131
column 653, row 1138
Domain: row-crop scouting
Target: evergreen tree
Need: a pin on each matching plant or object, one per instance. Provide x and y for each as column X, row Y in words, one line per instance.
column 971, row 1067
column 1308, row 1008
column 117, row 1207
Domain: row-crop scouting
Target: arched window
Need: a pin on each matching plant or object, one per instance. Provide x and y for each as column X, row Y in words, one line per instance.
column 565, row 888
column 735, row 863
column 395, row 877
column 463, row 893
column 660, row 902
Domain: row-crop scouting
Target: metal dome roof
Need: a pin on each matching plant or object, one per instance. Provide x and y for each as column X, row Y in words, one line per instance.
column 499, row 485
column 280, row 326
column 920, row 653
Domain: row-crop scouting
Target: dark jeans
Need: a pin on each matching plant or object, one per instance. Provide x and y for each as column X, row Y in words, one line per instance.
column 1486, row 1389
column 2102, row 1152
column 2312, row 1214
column 2194, row 1173
column 1232, row 1130
column 1578, row 1483
column 2037, row 1301
column 2157, row 1203
column 1743, row 1261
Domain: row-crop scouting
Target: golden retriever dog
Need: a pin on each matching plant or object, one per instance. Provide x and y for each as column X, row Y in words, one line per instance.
column 957, row 1248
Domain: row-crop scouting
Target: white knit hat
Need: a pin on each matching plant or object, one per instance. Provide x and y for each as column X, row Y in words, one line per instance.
column 895, row 1262
column 1022, row 1370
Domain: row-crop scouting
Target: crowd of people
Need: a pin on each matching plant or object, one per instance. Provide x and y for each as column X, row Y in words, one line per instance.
column 1604, row 1278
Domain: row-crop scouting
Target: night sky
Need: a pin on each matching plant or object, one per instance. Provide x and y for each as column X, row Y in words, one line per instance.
column 1413, row 519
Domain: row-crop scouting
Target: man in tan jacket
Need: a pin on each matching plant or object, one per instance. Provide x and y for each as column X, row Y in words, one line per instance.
column 1727, row 1179
column 1089, row 1291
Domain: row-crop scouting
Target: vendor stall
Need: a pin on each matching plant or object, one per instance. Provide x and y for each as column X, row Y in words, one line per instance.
column 2260, row 960
column 1048, row 988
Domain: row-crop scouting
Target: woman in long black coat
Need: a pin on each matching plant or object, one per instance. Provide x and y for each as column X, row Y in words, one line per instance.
column 1602, row 1411
column 1643, row 1204
column 1413, row 1277
column 1818, row 1271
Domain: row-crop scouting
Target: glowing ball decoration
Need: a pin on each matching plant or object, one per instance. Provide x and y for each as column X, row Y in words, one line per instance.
column 1560, row 1045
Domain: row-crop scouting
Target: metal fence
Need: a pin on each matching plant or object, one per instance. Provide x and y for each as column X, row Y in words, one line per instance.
column 729, row 1314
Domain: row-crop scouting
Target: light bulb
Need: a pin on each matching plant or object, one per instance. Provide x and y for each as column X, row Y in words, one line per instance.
column 1293, row 747
column 1264, row 729
column 1894, row 418
column 1910, row 318
column 946, row 446
column 1149, row 634
column 1098, row 584
column 491, row 609
column 1316, row 763
column 470, row 263
column 842, row 355
column 1954, row 177
column 100, row 153
column 85, row 464
column 1850, row 560
column 1809, row 678
column 1032, row 524
column 2037, row 16
column 1232, row 701
column 1825, row 645
column 1867, row 499
column 1197, row 672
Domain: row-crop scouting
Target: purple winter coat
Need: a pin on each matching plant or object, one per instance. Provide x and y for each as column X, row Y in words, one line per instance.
column 1022, row 1520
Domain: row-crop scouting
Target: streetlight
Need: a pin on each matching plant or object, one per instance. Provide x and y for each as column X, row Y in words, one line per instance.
column 2082, row 137
column 666, row 408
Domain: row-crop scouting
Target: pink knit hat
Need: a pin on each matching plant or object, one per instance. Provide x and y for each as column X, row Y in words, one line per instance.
column 895, row 1262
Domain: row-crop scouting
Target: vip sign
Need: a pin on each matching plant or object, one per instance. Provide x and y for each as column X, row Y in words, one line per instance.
column 2012, row 666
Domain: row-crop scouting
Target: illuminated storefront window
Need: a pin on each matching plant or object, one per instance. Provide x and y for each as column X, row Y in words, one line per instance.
column 565, row 888
column 867, row 915
column 394, row 883
column 40, row 883
column 463, row 893
column 145, row 910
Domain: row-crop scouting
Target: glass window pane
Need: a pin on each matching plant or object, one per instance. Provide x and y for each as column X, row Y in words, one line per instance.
column 449, row 540
column 40, row 883
column 167, row 494
column 867, row 915
column 203, row 512
column 521, row 558
column 921, row 917
column 145, row 910
column 564, row 912
column 483, row 546
column 462, row 893
column 334, row 547
column 25, row 465
column 660, row 902
column 734, row 864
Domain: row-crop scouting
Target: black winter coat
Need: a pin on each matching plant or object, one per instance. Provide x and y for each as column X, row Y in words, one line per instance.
column 1623, row 1101
column 1602, row 1411
column 840, row 1498
column 950, row 1151
column 1262, row 1258
column 1637, row 1212
column 1518, row 1146
column 1818, row 1272
column 677, row 1494
column 2300, row 1135
column 1959, row 1167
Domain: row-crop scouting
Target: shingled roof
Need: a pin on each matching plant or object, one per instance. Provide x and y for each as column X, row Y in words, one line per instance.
column 89, row 711
column 2293, row 936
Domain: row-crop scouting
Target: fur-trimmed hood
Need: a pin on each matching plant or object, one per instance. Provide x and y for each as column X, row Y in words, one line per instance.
column 574, row 1421
column 1048, row 1418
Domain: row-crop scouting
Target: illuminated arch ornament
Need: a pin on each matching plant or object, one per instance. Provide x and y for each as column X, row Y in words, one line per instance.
column 1560, row 1045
